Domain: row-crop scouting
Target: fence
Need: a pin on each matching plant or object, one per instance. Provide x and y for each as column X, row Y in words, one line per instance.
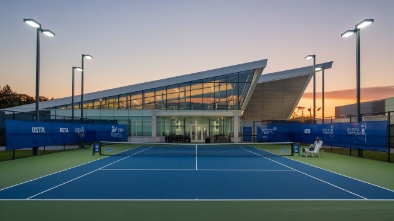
column 372, row 138
column 45, row 119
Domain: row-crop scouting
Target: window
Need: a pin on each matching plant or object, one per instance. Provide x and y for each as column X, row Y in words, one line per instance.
column 196, row 95
column 161, row 98
column 124, row 101
column 149, row 99
column 136, row 100
column 173, row 97
column 184, row 96
column 209, row 94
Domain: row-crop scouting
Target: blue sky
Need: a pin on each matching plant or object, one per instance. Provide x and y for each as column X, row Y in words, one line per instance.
column 140, row 41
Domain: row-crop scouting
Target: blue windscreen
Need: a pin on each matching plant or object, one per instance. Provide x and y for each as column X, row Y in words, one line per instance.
column 27, row 134
column 364, row 135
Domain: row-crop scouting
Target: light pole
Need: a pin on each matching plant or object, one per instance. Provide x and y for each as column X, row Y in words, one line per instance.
column 89, row 58
column 346, row 34
column 314, row 85
column 72, row 92
column 49, row 33
column 322, row 93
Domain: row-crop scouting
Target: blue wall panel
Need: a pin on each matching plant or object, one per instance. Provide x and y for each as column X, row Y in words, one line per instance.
column 247, row 133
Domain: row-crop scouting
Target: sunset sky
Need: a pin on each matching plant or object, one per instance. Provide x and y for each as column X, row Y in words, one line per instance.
column 144, row 40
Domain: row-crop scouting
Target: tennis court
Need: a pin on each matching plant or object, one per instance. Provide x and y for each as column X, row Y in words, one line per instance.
column 195, row 172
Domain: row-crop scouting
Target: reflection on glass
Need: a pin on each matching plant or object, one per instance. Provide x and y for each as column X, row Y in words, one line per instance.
column 225, row 92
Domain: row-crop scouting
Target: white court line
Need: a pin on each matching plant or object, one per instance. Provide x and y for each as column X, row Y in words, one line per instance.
column 56, row 172
column 51, row 174
column 196, row 159
column 343, row 189
column 202, row 200
column 223, row 170
column 84, row 174
column 247, row 170
column 343, row 175
column 148, row 169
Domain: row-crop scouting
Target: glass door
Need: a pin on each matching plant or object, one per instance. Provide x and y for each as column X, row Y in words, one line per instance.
column 196, row 133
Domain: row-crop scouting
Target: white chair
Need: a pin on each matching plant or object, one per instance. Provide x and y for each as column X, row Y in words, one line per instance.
column 315, row 150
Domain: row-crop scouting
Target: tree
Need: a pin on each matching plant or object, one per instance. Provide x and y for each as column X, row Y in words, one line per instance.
column 9, row 98
column 25, row 99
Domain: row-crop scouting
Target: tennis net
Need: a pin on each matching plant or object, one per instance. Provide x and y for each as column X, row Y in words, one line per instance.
column 182, row 149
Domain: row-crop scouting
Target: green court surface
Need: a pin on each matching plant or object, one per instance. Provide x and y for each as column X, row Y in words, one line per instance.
column 21, row 170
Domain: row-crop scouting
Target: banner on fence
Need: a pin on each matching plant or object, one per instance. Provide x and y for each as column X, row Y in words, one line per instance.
column 364, row 135
column 27, row 134
column 273, row 133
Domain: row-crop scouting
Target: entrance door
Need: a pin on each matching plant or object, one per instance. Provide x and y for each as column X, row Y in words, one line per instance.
column 196, row 133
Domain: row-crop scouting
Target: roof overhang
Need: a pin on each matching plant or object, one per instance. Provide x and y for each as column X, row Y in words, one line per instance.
column 260, row 64
column 277, row 94
column 292, row 73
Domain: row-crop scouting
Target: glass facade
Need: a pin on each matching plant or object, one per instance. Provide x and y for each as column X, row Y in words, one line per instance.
column 225, row 92
column 218, row 129
column 140, row 126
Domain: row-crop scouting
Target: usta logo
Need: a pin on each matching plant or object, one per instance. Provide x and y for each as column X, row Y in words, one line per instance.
column 38, row 130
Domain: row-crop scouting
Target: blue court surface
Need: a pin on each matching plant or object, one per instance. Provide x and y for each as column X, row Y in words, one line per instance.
column 137, row 176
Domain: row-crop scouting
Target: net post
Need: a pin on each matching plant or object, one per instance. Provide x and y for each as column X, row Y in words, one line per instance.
column 292, row 148
column 96, row 148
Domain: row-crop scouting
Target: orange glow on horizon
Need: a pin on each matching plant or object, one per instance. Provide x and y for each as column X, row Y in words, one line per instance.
column 329, row 106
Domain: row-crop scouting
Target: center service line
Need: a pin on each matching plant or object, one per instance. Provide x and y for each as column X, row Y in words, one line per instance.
column 196, row 158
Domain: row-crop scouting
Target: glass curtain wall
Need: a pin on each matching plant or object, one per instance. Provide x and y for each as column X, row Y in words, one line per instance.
column 140, row 126
column 225, row 92
column 218, row 129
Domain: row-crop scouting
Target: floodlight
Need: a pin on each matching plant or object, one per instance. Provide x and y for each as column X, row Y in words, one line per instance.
column 87, row 56
column 309, row 57
column 77, row 68
column 48, row 33
column 364, row 23
column 347, row 33
column 32, row 22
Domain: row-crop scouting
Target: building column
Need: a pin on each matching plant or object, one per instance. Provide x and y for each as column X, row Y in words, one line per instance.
column 154, row 126
column 236, row 139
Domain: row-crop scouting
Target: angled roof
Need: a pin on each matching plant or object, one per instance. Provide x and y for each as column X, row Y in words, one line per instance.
column 292, row 73
column 260, row 64
column 277, row 94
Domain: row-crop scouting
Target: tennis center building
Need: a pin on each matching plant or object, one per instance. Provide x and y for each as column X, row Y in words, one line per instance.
column 215, row 104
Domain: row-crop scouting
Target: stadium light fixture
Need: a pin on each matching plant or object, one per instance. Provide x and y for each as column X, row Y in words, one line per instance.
column 72, row 91
column 47, row 32
column 89, row 57
column 348, row 33
column 310, row 57
column 32, row 22
column 314, row 84
column 364, row 23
